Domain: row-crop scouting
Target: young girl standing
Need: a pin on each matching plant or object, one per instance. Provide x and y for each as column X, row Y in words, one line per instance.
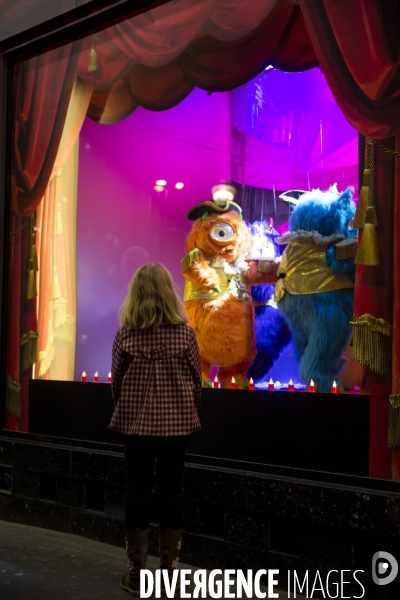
column 156, row 388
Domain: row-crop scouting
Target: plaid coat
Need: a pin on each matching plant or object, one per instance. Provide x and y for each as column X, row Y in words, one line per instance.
column 156, row 381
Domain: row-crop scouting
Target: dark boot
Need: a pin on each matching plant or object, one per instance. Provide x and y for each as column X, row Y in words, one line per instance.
column 137, row 545
column 170, row 545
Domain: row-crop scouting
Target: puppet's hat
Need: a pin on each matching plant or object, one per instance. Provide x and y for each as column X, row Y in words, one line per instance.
column 220, row 207
column 222, row 202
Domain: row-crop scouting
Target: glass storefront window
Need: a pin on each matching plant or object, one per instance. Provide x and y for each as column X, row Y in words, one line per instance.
column 117, row 136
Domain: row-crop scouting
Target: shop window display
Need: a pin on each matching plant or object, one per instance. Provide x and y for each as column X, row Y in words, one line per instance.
column 125, row 172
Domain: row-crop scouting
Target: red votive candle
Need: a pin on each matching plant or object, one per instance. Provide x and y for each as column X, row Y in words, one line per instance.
column 291, row 386
column 83, row 376
column 251, row 384
column 109, row 377
column 334, row 388
column 312, row 388
column 216, row 382
column 96, row 377
column 271, row 385
column 233, row 384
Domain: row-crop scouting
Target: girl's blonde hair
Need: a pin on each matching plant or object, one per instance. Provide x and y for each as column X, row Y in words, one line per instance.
column 151, row 300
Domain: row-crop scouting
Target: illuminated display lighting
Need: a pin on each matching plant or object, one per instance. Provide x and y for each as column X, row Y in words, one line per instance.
column 161, row 182
column 159, row 188
column 179, row 185
column 223, row 193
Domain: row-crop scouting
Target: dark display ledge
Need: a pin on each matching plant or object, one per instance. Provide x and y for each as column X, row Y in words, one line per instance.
column 317, row 432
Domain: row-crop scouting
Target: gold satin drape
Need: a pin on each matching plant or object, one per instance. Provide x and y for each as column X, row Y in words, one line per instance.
column 56, row 248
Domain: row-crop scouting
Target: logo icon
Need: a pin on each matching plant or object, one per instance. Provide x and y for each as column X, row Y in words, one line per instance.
column 384, row 564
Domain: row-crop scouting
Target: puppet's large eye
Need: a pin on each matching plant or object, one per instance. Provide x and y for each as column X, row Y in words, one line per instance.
column 222, row 232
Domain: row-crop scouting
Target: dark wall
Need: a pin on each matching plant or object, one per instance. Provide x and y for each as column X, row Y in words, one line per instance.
column 233, row 519
column 297, row 430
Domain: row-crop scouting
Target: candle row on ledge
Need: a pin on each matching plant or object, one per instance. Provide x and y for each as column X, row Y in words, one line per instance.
column 271, row 386
column 95, row 377
column 233, row 386
column 313, row 389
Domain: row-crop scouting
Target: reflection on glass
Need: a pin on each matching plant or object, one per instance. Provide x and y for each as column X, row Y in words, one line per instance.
column 105, row 211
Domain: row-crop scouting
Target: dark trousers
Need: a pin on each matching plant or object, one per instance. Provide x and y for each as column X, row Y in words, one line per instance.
column 167, row 455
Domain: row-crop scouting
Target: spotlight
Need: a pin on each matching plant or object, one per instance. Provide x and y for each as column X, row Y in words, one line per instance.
column 159, row 188
column 223, row 193
column 161, row 182
column 179, row 185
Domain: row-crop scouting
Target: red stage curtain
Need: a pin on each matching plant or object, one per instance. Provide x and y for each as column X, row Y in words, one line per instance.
column 374, row 295
column 395, row 297
column 207, row 62
column 158, row 36
column 358, row 48
column 357, row 45
column 22, row 319
column 42, row 92
column 43, row 86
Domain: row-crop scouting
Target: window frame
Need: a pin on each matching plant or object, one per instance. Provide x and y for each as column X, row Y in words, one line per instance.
column 55, row 32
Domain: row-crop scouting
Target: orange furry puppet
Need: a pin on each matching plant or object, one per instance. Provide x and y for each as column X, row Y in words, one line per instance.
column 217, row 296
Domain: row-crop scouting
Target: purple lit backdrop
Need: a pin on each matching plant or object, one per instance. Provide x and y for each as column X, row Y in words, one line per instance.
column 262, row 135
column 290, row 133
column 123, row 222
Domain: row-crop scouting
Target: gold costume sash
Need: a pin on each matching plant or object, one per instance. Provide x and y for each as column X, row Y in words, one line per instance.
column 303, row 270
column 230, row 285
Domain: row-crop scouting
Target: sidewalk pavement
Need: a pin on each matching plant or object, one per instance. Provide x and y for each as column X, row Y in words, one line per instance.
column 40, row 564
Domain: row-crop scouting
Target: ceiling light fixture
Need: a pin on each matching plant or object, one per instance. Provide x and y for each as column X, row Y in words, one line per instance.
column 223, row 193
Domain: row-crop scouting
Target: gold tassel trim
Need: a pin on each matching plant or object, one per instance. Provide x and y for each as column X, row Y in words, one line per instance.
column 373, row 324
column 92, row 60
column 346, row 249
column 31, row 291
column 59, row 312
column 34, row 259
column 193, row 255
column 13, row 397
column 46, row 357
column 28, row 345
column 363, row 200
column 372, row 344
column 33, row 253
column 393, row 439
column 368, row 250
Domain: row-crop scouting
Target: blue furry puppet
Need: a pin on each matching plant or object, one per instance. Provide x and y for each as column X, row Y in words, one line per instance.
column 315, row 288
column 272, row 333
